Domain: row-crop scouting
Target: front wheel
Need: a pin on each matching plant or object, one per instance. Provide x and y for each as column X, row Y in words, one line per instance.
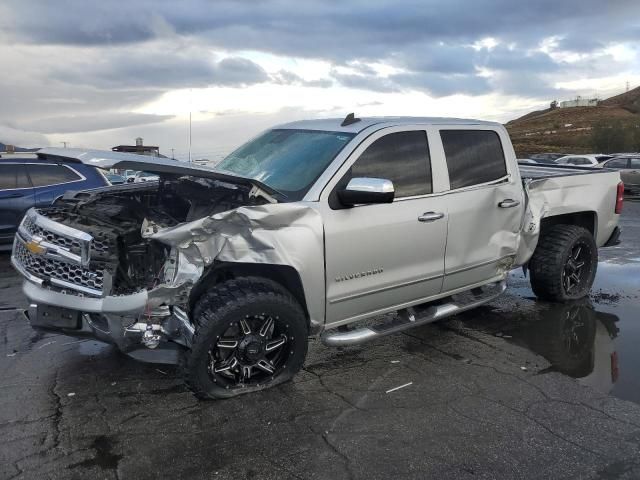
column 564, row 263
column 250, row 334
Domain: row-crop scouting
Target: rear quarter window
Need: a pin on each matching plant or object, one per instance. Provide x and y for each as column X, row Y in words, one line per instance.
column 473, row 157
column 43, row 175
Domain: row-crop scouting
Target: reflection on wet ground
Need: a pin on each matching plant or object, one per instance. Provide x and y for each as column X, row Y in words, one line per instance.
column 594, row 340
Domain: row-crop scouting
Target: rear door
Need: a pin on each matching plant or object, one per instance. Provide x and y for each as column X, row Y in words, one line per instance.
column 385, row 256
column 485, row 204
column 16, row 197
column 633, row 174
column 622, row 165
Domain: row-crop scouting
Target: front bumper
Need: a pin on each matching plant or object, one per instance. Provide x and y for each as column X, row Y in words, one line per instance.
column 172, row 333
column 133, row 304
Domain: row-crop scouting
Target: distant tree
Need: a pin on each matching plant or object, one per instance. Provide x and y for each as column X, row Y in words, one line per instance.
column 610, row 137
column 634, row 138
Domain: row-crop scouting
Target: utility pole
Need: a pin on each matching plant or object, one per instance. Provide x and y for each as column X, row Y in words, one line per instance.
column 64, row 144
column 190, row 104
column 173, row 157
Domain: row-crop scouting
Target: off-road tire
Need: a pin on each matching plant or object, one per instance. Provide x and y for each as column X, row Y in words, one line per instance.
column 550, row 258
column 226, row 303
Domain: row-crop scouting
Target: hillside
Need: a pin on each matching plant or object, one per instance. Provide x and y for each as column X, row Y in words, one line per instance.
column 570, row 129
column 3, row 147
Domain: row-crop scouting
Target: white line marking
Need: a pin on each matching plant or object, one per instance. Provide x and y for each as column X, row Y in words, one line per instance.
column 398, row 388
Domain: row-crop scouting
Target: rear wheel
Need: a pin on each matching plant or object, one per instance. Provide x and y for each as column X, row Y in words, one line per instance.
column 250, row 334
column 564, row 263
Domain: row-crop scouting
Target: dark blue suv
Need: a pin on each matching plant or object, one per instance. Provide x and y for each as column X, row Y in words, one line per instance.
column 34, row 182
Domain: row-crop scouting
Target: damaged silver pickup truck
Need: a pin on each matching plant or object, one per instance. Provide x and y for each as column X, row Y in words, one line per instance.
column 346, row 230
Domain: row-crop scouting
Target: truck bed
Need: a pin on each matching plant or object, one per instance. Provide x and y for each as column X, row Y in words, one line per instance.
column 531, row 171
column 560, row 190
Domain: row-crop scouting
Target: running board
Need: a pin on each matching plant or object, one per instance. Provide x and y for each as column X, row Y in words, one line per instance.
column 413, row 317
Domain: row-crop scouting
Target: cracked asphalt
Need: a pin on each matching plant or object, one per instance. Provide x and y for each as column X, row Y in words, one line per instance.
column 489, row 394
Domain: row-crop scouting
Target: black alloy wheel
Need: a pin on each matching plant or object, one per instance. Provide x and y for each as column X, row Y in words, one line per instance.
column 251, row 351
column 250, row 334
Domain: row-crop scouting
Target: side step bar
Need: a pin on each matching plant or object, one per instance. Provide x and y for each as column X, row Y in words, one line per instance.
column 412, row 317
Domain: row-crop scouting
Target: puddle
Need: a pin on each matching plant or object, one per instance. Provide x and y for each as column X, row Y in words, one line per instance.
column 104, row 456
column 594, row 340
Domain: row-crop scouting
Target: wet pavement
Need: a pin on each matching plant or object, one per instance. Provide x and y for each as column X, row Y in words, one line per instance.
column 490, row 395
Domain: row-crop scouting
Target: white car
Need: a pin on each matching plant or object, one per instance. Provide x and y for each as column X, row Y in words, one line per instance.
column 145, row 177
column 129, row 175
column 583, row 160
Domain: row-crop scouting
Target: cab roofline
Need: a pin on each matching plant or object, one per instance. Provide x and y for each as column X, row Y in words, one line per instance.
column 335, row 124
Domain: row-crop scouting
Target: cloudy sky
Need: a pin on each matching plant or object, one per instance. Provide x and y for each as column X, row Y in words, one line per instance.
column 98, row 74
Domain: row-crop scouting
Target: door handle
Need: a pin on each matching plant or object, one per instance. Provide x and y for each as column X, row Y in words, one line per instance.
column 430, row 216
column 508, row 203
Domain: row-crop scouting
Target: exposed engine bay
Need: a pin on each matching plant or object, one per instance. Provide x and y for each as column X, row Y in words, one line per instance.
column 116, row 217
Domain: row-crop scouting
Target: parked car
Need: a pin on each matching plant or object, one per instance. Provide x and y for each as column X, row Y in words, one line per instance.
column 129, row 175
column 591, row 160
column 145, row 177
column 114, row 178
column 629, row 167
column 307, row 230
column 37, row 182
column 546, row 157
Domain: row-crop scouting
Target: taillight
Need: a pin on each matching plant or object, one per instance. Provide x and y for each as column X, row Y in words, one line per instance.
column 619, row 198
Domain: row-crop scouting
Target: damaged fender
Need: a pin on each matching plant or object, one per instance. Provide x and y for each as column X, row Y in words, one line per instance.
column 281, row 234
column 536, row 208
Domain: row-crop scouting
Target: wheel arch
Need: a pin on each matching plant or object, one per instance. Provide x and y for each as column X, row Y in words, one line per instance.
column 284, row 275
column 586, row 219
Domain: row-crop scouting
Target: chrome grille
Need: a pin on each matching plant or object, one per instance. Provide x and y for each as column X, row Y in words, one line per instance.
column 30, row 225
column 50, row 269
column 51, row 253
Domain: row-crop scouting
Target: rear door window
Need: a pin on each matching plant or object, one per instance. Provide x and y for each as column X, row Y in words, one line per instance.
column 403, row 158
column 473, row 157
column 43, row 175
column 13, row 176
column 579, row 161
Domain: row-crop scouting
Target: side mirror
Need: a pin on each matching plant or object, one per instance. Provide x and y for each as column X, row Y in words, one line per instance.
column 362, row 191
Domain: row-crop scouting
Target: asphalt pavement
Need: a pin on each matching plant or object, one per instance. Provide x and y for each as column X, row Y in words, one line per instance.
column 515, row 389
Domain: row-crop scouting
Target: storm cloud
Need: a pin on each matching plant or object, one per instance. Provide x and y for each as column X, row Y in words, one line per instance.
column 71, row 59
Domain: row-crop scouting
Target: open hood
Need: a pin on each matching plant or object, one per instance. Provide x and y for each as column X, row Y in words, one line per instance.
column 130, row 161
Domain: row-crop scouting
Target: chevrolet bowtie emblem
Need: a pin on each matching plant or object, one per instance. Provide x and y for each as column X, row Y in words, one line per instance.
column 34, row 247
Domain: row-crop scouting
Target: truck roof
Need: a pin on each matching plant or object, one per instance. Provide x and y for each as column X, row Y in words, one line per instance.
column 334, row 124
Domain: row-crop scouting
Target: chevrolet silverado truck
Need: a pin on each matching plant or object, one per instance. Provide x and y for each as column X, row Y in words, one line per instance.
column 343, row 230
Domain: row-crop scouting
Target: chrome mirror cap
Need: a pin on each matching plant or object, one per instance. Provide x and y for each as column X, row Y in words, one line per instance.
column 364, row 191
column 370, row 185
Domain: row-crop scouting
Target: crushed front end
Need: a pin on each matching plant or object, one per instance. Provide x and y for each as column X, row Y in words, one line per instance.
column 92, row 269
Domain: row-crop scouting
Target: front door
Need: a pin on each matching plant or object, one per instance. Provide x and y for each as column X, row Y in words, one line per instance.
column 385, row 256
